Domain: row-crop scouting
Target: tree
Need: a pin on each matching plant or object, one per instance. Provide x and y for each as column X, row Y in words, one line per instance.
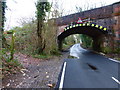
column 42, row 9
column 2, row 20
column 58, row 9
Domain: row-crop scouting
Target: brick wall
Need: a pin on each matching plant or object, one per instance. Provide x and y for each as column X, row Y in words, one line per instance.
column 116, row 16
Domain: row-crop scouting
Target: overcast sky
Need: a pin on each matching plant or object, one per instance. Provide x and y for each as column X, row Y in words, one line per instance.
column 18, row 9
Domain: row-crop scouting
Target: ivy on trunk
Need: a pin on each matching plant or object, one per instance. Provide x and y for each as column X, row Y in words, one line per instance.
column 42, row 9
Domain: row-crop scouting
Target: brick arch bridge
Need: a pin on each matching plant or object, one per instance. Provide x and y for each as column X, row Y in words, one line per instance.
column 96, row 32
column 107, row 16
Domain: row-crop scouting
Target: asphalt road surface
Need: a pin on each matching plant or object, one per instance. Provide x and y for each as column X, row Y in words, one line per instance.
column 89, row 70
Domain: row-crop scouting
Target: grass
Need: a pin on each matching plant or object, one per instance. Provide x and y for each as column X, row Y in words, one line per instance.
column 42, row 56
column 118, row 59
column 46, row 56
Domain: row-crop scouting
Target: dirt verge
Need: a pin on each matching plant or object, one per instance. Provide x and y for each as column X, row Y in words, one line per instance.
column 37, row 73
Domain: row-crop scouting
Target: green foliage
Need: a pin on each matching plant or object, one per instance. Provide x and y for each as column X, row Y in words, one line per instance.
column 42, row 8
column 117, row 50
column 12, row 50
column 86, row 41
column 68, row 41
column 118, row 59
column 65, row 46
column 42, row 56
column 106, row 50
column 29, row 37
column 55, row 52
column 25, row 38
column 47, row 56
column 49, row 36
column 8, row 66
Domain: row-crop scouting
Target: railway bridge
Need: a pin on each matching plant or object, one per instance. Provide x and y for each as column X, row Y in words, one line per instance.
column 105, row 22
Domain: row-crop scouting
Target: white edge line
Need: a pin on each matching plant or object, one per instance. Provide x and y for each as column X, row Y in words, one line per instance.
column 62, row 77
column 114, row 60
column 115, row 80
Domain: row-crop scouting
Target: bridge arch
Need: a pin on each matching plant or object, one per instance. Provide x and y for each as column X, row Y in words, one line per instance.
column 96, row 32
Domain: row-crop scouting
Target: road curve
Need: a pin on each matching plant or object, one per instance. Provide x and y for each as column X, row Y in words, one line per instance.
column 90, row 70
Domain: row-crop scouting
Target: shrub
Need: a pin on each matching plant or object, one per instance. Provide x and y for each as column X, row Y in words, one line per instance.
column 117, row 50
column 106, row 50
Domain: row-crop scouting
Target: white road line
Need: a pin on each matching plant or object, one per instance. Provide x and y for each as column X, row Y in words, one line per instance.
column 114, row 60
column 116, row 80
column 62, row 77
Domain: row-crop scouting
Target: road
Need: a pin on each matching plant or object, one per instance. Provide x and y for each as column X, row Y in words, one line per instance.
column 89, row 70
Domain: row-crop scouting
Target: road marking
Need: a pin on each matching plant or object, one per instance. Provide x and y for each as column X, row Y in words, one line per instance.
column 114, row 60
column 62, row 77
column 116, row 80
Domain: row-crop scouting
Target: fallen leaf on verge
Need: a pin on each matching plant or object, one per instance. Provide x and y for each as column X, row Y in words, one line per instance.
column 46, row 72
column 24, row 70
column 8, row 84
column 51, row 85
column 47, row 76
column 23, row 73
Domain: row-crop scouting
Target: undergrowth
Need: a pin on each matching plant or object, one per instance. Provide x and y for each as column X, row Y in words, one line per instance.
column 9, row 66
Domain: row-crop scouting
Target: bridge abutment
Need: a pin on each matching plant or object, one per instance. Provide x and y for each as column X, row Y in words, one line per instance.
column 97, row 44
column 60, row 45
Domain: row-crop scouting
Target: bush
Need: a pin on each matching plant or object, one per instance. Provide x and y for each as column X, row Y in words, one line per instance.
column 109, row 50
column 106, row 50
column 117, row 50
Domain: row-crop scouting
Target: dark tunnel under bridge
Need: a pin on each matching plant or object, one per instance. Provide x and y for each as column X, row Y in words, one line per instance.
column 96, row 32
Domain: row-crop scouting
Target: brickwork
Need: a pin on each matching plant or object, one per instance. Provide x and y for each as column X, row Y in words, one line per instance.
column 116, row 16
column 107, row 16
column 98, row 13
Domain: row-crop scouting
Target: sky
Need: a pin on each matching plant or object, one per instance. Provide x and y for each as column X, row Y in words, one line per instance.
column 25, row 9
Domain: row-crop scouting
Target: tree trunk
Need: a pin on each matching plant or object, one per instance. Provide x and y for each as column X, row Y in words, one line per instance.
column 39, row 34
